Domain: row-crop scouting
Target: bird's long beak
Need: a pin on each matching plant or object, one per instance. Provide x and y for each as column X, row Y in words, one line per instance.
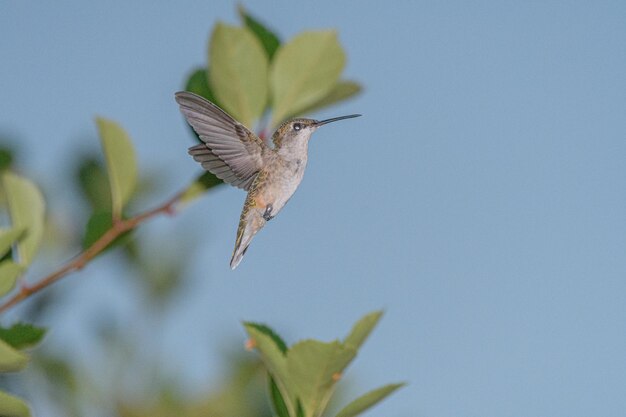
column 334, row 119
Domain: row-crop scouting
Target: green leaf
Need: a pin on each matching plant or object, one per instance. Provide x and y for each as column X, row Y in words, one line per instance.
column 203, row 183
column 362, row 329
column 266, row 330
column 7, row 238
column 314, row 368
column 9, row 273
column 366, row 401
column 6, row 158
column 271, row 354
column 22, row 335
column 238, row 72
column 94, row 183
column 275, row 362
column 121, row 163
column 99, row 223
column 277, row 399
column 11, row 406
column 11, row 360
column 299, row 409
column 343, row 90
column 268, row 39
column 26, row 209
column 304, row 71
column 198, row 82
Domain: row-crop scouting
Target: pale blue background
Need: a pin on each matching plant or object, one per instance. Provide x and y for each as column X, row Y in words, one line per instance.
column 480, row 200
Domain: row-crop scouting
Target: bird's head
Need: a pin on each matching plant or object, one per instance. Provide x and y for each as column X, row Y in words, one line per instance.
column 300, row 130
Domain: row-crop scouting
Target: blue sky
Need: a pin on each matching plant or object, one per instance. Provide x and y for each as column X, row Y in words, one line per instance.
column 479, row 201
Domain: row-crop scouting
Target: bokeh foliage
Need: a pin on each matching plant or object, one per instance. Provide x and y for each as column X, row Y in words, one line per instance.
column 260, row 80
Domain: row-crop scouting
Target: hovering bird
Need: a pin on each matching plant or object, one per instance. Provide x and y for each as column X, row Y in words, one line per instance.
column 240, row 158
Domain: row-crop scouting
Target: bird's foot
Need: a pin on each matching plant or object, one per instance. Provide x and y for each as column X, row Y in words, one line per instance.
column 268, row 213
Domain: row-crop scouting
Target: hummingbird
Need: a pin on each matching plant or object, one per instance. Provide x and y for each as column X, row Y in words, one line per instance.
column 240, row 158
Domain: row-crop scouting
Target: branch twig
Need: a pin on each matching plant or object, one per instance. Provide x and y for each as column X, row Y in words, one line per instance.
column 80, row 261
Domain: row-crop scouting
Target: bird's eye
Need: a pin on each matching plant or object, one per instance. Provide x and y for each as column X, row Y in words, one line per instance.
column 297, row 126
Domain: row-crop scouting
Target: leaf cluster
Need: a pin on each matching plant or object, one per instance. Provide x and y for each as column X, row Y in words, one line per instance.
column 250, row 71
column 303, row 377
column 13, row 341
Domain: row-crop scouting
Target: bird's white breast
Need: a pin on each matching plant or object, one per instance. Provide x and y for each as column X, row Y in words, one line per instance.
column 287, row 179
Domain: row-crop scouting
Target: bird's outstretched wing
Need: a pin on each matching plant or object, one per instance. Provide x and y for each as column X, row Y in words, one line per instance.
column 230, row 151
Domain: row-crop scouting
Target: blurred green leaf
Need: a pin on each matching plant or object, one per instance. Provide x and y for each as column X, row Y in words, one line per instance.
column 162, row 272
column 299, row 409
column 343, row 90
column 7, row 238
column 277, row 399
column 94, row 183
column 99, row 223
column 11, row 360
column 203, row 183
column 368, row 400
column 362, row 329
column 241, row 393
column 314, row 368
column 274, row 360
column 272, row 355
column 238, row 69
column 26, row 209
column 304, row 71
column 11, row 406
column 9, row 273
column 198, row 82
column 22, row 335
column 268, row 39
column 121, row 163
column 266, row 330
column 6, row 158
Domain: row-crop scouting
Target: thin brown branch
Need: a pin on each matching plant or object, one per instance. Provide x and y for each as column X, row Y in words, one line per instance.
column 80, row 261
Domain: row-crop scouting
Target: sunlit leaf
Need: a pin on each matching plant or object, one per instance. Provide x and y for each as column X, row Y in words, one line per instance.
column 121, row 163
column 238, row 69
column 272, row 355
column 203, row 183
column 11, row 360
column 268, row 38
column 314, row 368
column 11, row 406
column 275, row 362
column 9, row 273
column 7, row 238
column 343, row 90
column 366, row 401
column 304, row 71
column 266, row 330
column 22, row 335
column 362, row 329
column 26, row 209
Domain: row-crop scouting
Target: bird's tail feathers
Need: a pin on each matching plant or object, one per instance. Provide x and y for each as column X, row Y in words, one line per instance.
column 240, row 249
column 249, row 225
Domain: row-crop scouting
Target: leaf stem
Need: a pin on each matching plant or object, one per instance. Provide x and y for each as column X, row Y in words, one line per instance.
column 79, row 262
